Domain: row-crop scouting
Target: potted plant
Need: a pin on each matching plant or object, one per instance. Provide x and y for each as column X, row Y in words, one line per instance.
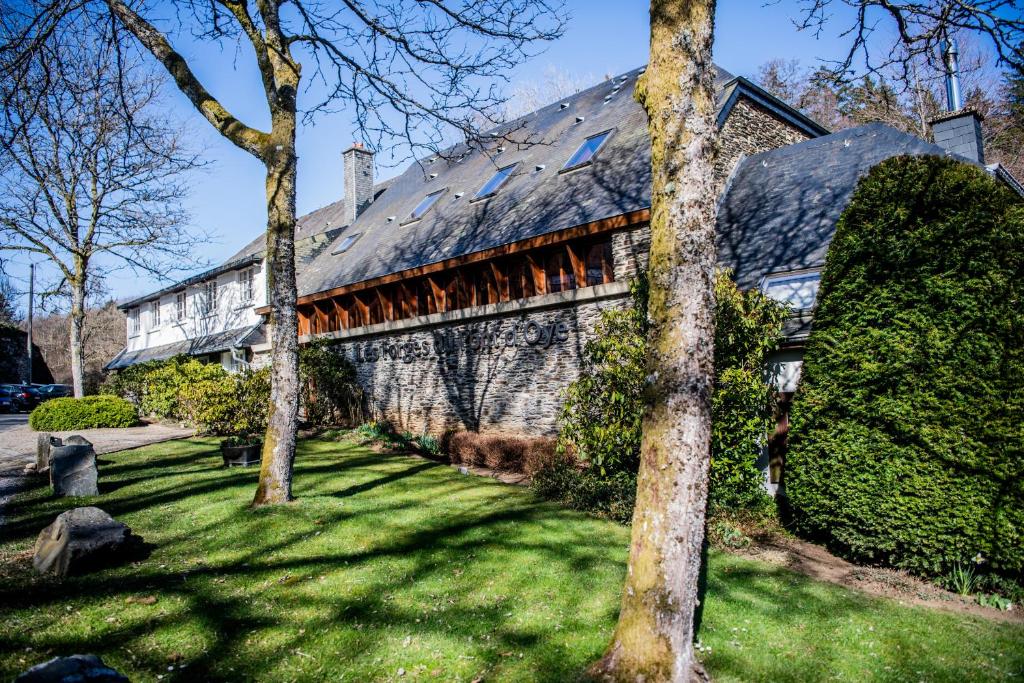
column 242, row 449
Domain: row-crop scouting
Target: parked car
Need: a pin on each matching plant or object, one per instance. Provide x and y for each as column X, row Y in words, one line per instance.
column 10, row 400
column 29, row 395
column 48, row 391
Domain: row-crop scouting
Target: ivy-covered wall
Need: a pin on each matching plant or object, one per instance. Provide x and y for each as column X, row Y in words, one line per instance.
column 907, row 438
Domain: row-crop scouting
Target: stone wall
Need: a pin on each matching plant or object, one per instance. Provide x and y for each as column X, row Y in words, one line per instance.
column 751, row 129
column 500, row 370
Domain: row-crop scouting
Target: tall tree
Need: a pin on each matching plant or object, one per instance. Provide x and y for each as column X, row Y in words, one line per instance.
column 91, row 174
column 8, row 298
column 420, row 72
column 654, row 636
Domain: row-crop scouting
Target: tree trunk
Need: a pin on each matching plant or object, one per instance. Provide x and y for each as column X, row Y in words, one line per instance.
column 275, row 484
column 654, row 637
column 77, row 322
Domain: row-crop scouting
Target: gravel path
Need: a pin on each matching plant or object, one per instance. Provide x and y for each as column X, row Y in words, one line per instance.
column 18, row 446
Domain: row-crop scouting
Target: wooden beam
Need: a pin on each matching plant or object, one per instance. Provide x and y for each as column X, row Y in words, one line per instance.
column 624, row 220
column 540, row 280
column 385, row 304
column 437, row 305
column 500, row 272
column 578, row 263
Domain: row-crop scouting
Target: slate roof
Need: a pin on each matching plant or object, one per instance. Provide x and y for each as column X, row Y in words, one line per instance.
column 213, row 343
column 537, row 199
column 780, row 208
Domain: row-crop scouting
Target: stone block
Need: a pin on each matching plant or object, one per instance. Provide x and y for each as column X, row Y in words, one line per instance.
column 81, row 539
column 73, row 669
column 44, row 443
column 73, row 468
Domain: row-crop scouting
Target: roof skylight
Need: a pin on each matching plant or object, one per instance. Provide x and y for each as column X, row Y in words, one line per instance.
column 496, row 181
column 587, row 151
column 425, row 205
column 346, row 243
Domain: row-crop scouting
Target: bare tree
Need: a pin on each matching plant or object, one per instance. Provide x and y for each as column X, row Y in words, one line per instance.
column 91, row 176
column 8, row 298
column 418, row 72
column 653, row 640
column 103, row 335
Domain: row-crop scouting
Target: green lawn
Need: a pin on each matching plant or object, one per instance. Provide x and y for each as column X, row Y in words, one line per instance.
column 388, row 562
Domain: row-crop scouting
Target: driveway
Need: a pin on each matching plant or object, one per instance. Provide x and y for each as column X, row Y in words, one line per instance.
column 18, row 442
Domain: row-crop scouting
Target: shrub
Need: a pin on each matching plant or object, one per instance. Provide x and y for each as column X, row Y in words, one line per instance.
column 602, row 415
column 330, row 393
column 90, row 412
column 584, row 488
column 907, row 437
column 499, row 451
column 231, row 404
column 156, row 387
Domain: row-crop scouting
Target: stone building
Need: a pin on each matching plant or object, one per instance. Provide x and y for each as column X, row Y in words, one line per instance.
column 465, row 289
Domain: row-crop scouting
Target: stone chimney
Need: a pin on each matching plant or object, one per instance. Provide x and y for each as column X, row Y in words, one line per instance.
column 959, row 132
column 959, row 129
column 358, row 163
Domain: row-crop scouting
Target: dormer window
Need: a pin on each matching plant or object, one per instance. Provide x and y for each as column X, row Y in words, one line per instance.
column 587, row 151
column 495, row 182
column 347, row 243
column 425, row 205
column 799, row 291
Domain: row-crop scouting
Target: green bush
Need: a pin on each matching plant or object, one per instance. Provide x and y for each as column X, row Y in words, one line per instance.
column 602, row 415
column 330, row 393
column 236, row 403
column 156, row 386
column 90, row 412
column 907, row 436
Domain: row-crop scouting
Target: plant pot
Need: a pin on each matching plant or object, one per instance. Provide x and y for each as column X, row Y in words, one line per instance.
column 243, row 456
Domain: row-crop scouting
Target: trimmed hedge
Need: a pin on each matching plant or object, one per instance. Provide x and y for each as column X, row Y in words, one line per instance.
column 907, row 436
column 90, row 412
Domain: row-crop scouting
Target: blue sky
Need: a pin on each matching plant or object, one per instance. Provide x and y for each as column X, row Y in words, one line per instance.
column 603, row 37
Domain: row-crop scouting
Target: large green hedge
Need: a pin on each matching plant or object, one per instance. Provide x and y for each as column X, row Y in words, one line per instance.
column 90, row 412
column 907, row 431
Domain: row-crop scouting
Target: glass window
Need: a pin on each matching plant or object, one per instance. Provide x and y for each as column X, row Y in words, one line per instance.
column 210, row 297
column 425, row 205
column 179, row 306
column 133, row 321
column 496, row 181
column 599, row 264
column 798, row 291
column 156, row 314
column 246, row 281
column 559, row 273
column 586, row 152
column 347, row 243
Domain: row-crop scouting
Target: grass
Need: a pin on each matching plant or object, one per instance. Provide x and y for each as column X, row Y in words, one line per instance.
column 389, row 563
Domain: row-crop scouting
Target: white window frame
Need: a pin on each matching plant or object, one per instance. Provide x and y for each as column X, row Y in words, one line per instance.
column 154, row 316
column 181, row 305
column 133, row 322
column 247, row 285
column 209, row 298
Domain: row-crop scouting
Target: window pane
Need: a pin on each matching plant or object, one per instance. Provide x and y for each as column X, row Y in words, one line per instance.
column 425, row 205
column 587, row 150
column 496, row 181
column 799, row 292
column 346, row 244
column 599, row 259
column 559, row 274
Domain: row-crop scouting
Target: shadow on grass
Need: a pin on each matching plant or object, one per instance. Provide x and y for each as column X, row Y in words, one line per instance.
column 408, row 550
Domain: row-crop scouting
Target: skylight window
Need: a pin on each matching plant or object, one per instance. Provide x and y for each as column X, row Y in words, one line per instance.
column 587, row 151
column 496, row 181
column 347, row 243
column 425, row 205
